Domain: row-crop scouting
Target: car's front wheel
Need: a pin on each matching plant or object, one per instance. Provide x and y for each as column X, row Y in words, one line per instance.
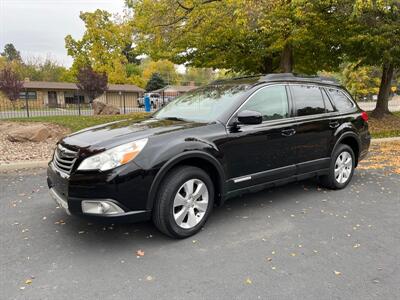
column 184, row 201
column 341, row 169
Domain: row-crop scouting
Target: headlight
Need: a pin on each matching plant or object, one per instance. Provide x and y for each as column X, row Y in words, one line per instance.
column 114, row 157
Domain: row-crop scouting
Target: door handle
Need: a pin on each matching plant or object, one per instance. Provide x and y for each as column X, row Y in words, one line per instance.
column 288, row 132
column 334, row 124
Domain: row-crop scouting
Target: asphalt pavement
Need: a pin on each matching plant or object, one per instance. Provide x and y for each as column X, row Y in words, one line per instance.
column 293, row 242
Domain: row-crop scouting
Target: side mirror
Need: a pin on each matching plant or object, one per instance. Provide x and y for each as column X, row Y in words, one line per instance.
column 249, row 117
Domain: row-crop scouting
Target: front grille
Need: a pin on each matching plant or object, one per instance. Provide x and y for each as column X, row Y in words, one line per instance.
column 64, row 159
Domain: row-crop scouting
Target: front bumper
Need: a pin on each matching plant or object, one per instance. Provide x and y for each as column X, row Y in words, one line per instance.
column 70, row 190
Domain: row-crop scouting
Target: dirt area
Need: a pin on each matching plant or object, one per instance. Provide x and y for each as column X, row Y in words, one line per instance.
column 383, row 156
column 378, row 127
column 14, row 151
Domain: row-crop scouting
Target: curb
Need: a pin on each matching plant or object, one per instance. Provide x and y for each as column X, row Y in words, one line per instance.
column 13, row 166
column 18, row 165
column 383, row 140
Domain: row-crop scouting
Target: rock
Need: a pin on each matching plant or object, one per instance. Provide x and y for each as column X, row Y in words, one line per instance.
column 31, row 133
column 98, row 107
column 101, row 108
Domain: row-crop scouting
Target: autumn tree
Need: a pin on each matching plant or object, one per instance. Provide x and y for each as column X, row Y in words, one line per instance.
column 375, row 41
column 10, row 84
column 91, row 83
column 106, row 45
column 247, row 36
column 163, row 68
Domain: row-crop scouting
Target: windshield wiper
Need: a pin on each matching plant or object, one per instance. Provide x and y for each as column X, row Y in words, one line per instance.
column 174, row 119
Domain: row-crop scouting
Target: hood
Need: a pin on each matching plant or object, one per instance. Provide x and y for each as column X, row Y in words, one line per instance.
column 116, row 133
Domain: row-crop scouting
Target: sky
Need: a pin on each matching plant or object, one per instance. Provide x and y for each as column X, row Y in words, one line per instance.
column 38, row 27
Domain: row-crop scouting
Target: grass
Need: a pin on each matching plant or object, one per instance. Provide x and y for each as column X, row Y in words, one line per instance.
column 75, row 123
column 387, row 127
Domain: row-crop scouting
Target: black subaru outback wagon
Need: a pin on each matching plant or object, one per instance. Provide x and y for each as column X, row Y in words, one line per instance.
column 210, row 144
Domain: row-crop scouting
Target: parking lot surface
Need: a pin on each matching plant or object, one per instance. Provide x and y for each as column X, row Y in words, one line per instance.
column 296, row 241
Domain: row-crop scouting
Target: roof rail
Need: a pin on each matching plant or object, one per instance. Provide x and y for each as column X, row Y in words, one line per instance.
column 298, row 77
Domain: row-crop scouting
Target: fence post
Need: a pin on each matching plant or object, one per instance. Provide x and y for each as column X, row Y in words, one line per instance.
column 26, row 103
column 79, row 105
column 124, row 105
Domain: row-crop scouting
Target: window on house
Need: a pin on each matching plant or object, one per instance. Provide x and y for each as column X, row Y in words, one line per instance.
column 28, row 95
column 73, row 98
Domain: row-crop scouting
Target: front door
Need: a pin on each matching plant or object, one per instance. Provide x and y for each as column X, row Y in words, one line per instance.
column 52, row 99
column 259, row 153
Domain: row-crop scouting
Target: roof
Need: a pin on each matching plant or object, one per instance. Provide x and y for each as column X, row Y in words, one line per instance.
column 176, row 88
column 278, row 77
column 298, row 78
column 48, row 85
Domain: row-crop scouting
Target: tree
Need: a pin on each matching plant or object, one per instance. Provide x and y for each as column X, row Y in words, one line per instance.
column 11, row 53
column 375, row 41
column 199, row 76
column 91, row 83
column 156, row 82
column 361, row 81
column 163, row 68
column 106, row 45
column 10, row 84
column 247, row 36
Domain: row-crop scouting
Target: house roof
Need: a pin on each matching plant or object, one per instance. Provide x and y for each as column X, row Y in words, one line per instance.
column 47, row 85
column 176, row 88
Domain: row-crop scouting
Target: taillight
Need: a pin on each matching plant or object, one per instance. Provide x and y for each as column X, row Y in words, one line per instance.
column 364, row 116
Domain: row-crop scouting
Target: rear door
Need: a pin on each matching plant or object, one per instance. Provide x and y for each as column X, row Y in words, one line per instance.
column 314, row 133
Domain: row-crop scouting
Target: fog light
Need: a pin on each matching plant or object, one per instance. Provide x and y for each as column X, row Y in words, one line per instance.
column 100, row 208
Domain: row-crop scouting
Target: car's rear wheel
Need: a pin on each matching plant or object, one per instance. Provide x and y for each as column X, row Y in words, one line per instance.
column 341, row 168
column 184, row 201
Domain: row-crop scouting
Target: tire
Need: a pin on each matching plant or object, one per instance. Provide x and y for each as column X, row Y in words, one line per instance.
column 334, row 181
column 181, row 221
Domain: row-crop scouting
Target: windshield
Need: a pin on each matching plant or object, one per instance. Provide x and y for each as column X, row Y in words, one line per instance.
column 204, row 104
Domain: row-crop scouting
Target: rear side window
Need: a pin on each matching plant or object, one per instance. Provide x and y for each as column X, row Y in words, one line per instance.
column 340, row 100
column 308, row 100
column 328, row 104
column 271, row 102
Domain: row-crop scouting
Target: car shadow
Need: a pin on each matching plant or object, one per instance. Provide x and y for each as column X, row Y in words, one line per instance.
column 142, row 234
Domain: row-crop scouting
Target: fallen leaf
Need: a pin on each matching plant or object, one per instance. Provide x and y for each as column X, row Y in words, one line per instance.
column 149, row 278
column 140, row 253
column 28, row 281
column 248, row 281
column 337, row 273
column 293, row 254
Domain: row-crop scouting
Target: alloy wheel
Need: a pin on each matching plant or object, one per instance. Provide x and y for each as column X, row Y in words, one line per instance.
column 343, row 167
column 190, row 203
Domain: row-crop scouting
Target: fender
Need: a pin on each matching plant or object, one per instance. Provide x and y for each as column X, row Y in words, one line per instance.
column 345, row 135
column 176, row 160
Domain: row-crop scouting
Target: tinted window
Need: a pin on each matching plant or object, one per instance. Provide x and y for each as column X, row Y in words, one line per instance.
column 308, row 100
column 340, row 100
column 328, row 104
column 271, row 102
column 204, row 104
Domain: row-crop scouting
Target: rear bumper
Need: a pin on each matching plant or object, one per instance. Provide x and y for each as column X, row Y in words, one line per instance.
column 365, row 139
column 69, row 192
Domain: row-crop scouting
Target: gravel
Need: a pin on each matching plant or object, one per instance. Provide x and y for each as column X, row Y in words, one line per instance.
column 27, row 151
